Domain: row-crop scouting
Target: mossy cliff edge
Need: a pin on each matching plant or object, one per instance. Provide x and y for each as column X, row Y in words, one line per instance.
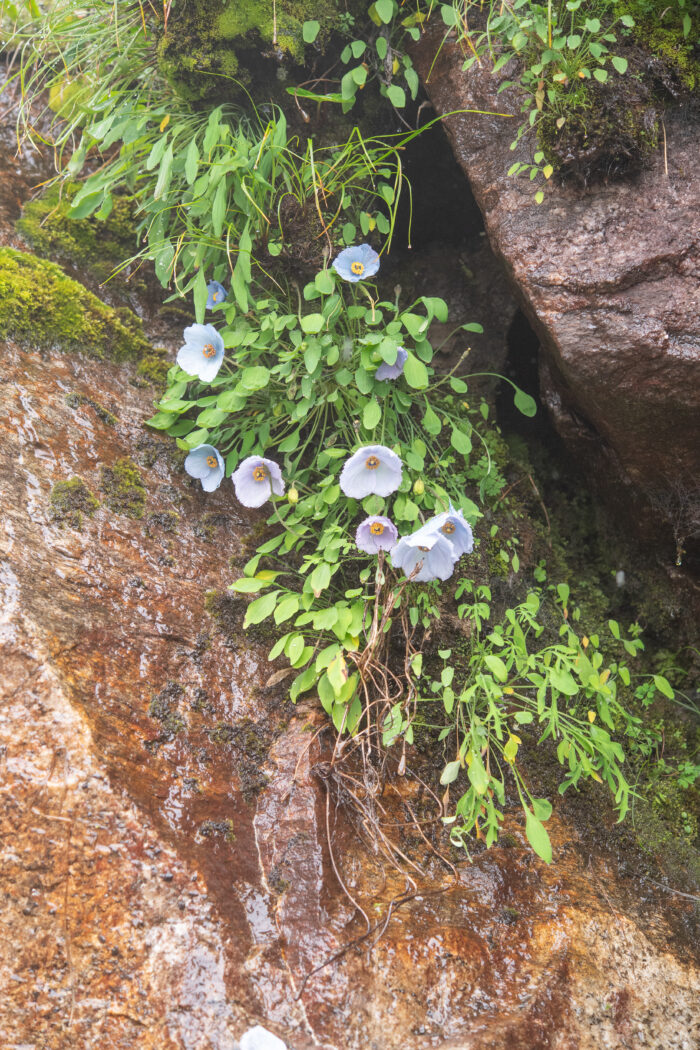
column 43, row 307
column 212, row 48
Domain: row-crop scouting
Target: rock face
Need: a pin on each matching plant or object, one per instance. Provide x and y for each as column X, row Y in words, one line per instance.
column 609, row 278
column 167, row 878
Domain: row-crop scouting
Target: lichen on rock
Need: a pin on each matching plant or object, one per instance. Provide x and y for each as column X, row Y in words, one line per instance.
column 43, row 307
column 71, row 499
column 123, row 487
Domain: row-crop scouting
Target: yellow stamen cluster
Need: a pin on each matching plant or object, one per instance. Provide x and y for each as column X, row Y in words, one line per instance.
column 357, row 268
column 376, row 528
column 259, row 474
column 371, row 463
column 448, row 528
column 212, row 462
column 208, row 350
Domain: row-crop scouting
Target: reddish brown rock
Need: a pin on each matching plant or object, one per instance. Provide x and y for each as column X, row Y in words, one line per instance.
column 609, row 277
column 166, row 872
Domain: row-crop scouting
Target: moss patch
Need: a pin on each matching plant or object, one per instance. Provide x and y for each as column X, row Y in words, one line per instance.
column 211, row 45
column 43, row 307
column 100, row 244
column 70, row 500
column 123, row 487
column 163, row 708
column 154, row 366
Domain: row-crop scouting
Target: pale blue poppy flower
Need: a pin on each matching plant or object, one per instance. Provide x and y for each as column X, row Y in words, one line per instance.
column 203, row 352
column 375, row 534
column 216, row 294
column 452, row 524
column 356, row 263
column 205, row 463
column 386, row 371
column 430, row 557
column 371, row 471
column 255, row 481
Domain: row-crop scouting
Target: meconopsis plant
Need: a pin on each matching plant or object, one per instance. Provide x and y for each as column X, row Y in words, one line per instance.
column 329, row 413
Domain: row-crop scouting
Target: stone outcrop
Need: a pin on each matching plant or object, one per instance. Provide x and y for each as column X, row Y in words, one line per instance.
column 609, row 277
column 165, row 863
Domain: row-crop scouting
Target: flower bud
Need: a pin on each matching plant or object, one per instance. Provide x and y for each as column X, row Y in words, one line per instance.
column 293, row 494
column 419, row 487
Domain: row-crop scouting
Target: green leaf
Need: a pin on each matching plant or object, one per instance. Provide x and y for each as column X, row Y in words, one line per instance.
column 218, row 210
column 161, row 420
column 164, row 174
column 620, row 63
column 478, row 776
column 371, row 415
column 461, row 441
column 524, row 403
column 192, row 162
column 260, row 609
column 537, row 837
column 664, row 686
column 312, row 323
column 324, row 282
column 415, row 373
column 248, row 585
column 310, row 30
column 256, row 377
column 384, row 9
column 396, row 95
column 320, row 578
column 496, row 666
column 450, row 772
column 431, row 422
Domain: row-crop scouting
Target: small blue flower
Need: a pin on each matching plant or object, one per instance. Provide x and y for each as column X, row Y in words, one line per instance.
column 375, row 534
column 452, row 524
column 205, row 464
column 356, row 263
column 255, row 481
column 371, row 471
column 386, row 371
column 217, row 294
column 424, row 558
column 203, row 352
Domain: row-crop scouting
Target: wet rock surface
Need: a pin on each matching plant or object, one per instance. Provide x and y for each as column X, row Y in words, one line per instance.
column 165, row 859
column 609, row 277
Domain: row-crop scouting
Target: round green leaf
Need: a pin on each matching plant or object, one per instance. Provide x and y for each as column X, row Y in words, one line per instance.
column 415, row 373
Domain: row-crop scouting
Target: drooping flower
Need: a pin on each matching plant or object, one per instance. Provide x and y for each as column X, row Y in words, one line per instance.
column 452, row 524
column 375, row 534
column 356, row 263
column 203, row 352
column 430, row 557
column 255, row 480
column 216, row 294
column 205, row 463
column 373, row 470
column 386, row 371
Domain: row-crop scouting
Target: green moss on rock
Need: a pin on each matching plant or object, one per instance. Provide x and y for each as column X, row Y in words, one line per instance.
column 154, row 366
column 70, row 500
column 210, row 45
column 101, row 244
column 123, row 487
column 43, row 307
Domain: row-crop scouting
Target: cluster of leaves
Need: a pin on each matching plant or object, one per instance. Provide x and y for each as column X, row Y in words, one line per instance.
column 374, row 51
column 557, row 47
